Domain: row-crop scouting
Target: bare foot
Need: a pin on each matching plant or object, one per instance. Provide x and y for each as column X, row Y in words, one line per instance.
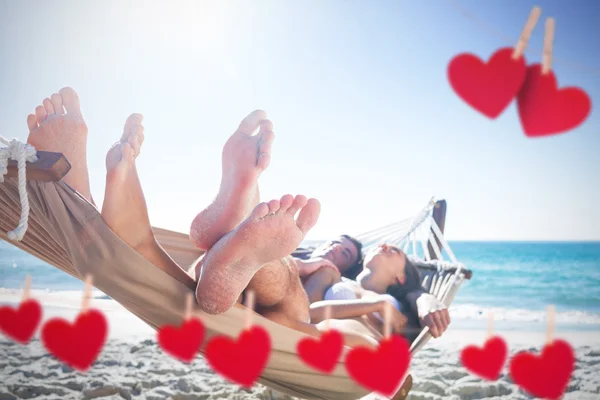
column 124, row 208
column 269, row 233
column 245, row 157
column 58, row 126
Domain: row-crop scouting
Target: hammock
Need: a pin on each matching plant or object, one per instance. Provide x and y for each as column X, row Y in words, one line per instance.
column 66, row 231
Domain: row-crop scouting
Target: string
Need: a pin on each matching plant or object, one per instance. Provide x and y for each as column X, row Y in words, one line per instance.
column 484, row 25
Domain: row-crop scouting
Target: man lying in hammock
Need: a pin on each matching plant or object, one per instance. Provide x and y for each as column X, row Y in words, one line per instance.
column 335, row 270
column 241, row 258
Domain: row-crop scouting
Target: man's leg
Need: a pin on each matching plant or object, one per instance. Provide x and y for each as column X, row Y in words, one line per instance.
column 245, row 157
column 269, row 234
column 58, row 126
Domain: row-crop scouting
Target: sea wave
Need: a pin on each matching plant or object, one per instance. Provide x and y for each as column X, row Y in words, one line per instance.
column 477, row 312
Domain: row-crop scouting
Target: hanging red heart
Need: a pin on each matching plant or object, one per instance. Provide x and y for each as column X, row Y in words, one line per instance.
column 545, row 110
column 78, row 344
column 487, row 87
column 486, row 362
column 182, row 342
column 240, row 361
column 382, row 369
column 545, row 376
column 20, row 324
column 322, row 353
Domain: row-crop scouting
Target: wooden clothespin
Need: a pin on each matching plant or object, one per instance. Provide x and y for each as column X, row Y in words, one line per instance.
column 490, row 325
column 87, row 293
column 521, row 45
column 548, row 43
column 189, row 302
column 387, row 323
column 327, row 317
column 27, row 288
column 550, row 325
column 249, row 308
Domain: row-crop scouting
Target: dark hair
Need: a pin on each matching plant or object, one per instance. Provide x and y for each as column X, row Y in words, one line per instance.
column 411, row 284
column 353, row 271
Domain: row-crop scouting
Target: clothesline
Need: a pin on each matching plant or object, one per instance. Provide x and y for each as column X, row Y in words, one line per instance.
column 512, row 40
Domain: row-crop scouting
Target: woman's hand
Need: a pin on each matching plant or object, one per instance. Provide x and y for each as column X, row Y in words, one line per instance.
column 397, row 320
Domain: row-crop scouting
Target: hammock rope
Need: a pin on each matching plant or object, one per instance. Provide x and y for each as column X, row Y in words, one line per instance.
column 21, row 153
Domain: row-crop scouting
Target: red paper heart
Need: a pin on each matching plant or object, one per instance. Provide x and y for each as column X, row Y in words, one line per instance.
column 322, row 353
column 182, row 342
column 382, row 369
column 78, row 344
column 486, row 362
column 545, row 376
column 545, row 110
column 487, row 87
column 20, row 324
column 240, row 361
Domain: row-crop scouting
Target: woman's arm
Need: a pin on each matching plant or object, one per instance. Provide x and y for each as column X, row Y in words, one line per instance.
column 351, row 339
column 341, row 309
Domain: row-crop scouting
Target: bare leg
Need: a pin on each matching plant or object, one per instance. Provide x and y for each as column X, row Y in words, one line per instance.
column 269, row 233
column 124, row 209
column 244, row 158
column 58, row 126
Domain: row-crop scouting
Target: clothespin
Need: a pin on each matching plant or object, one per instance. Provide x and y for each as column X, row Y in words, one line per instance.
column 87, row 293
column 189, row 301
column 249, row 308
column 550, row 325
column 27, row 288
column 327, row 317
column 387, row 323
column 521, row 45
column 490, row 325
column 548, row 43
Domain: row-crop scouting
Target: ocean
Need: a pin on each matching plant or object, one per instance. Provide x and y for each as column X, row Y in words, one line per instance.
column 514, row 280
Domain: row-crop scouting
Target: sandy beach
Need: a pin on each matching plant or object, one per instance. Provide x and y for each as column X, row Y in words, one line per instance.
column 133, row 366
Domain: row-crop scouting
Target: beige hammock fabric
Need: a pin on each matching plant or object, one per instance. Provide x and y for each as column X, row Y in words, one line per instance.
column 69, row 233
column 66, row 231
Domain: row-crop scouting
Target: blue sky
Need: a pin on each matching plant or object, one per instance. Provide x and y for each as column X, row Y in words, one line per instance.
column 365, row 119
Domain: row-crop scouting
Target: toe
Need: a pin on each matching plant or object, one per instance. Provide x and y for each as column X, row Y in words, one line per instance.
column 274, row 206
column 48, row 106
column 285, row 202
column 133, row 120
column 260, row 211
column 251, row 123
column 40, row 113
column 136, row 138
column 264, row 150
column 309, row 215
column 70, row 100
column 57, row 104
column 32, row 122
column 299, row 202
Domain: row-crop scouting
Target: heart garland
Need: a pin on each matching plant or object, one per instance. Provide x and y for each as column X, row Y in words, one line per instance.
column 183, row 342
column 79, row 344
column 243, row 360
column 20, row 324
column 489, row 88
